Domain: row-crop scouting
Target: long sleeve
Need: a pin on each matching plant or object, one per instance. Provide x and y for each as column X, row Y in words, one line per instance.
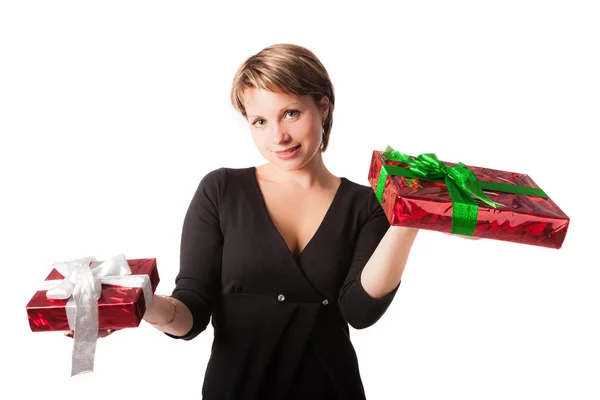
column 358, row 308
column 197, row 284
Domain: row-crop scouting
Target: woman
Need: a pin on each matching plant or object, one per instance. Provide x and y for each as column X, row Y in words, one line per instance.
column 285, row 255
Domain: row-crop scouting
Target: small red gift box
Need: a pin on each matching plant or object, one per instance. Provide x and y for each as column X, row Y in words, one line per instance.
column 118, row 306
column 421, row 195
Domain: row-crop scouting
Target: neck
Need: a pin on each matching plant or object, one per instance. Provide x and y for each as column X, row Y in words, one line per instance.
column 315, row 173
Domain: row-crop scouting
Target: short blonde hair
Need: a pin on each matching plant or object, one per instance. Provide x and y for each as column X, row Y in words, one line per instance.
column 285, row 68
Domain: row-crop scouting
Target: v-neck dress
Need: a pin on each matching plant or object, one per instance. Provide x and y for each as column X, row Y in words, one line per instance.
column 281, row 323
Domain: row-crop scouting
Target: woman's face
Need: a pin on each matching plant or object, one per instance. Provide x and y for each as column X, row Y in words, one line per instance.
column 281, row 121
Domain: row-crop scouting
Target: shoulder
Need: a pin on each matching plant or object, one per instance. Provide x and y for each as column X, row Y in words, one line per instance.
column 357, row 188
column 213, row 182
column 221, row 176
column 362, row 198
column 217, row 182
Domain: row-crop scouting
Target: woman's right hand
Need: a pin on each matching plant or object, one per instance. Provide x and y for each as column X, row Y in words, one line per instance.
column 101, row 333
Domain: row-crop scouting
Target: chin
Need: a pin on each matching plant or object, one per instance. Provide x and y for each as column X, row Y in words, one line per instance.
column 288, row 165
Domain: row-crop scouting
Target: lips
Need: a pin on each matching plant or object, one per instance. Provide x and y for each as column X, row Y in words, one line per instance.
column 289, row 150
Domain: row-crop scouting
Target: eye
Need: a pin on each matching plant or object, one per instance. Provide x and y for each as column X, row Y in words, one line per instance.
column 295, row 112
column 258, row 120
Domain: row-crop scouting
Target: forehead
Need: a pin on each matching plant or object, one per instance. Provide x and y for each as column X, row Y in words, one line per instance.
column 261, row 101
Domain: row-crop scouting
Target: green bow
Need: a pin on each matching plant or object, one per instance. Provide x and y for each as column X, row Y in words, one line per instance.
column 462, row 185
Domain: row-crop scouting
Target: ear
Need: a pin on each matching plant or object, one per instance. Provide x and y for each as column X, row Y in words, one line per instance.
column 324, row 106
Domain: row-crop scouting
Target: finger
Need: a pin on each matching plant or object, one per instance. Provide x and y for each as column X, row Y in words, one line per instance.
column 462, row 236
column 101, row 333
column 105, row 332
column 469, row 237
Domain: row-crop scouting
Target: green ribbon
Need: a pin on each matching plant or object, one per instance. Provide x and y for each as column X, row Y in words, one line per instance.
column 462, row 185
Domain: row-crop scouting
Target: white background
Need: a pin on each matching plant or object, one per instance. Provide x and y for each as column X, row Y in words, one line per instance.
column 111, row 112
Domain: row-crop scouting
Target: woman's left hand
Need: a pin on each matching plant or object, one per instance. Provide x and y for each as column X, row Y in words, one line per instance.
column 462, row 236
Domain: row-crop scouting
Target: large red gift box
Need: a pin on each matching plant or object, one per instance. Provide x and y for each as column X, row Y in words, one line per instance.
column 423, row 203
column 118, row 306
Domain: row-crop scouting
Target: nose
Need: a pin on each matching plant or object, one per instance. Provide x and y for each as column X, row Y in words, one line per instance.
column 279, row 134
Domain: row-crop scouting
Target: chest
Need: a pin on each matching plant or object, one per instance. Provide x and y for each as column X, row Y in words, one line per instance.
column 296, row 243
column 296, row 215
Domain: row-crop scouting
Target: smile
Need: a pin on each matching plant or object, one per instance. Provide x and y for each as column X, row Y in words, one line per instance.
column 287, row 150
column 288, row 153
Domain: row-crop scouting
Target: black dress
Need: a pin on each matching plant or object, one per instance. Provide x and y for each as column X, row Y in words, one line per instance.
column 280, row 322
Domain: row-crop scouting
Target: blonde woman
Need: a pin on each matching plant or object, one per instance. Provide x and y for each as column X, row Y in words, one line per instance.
column 284, row 256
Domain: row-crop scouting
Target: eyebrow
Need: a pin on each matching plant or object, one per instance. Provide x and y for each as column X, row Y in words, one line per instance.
column 291, row 104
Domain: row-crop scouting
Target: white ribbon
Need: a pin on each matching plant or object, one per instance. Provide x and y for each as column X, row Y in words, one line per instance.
column 82, row 285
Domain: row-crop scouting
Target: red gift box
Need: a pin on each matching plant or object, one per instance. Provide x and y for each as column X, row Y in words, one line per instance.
column 118, row 306
column 427, row 204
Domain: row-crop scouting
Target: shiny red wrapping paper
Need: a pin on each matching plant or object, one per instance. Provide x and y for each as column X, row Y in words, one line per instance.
column 427, row 205
column 118, row 307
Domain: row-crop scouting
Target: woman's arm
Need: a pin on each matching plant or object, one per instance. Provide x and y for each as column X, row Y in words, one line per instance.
column 380, row 253
column 383, row 272
column 162, row 310
column 197, row 285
